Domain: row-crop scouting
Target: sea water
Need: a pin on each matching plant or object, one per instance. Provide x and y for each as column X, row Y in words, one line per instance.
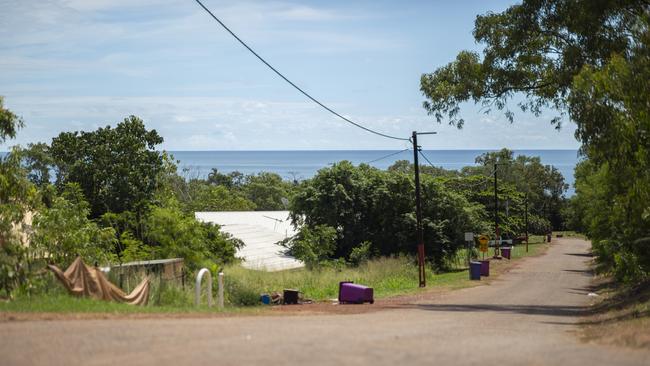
column 301, row 165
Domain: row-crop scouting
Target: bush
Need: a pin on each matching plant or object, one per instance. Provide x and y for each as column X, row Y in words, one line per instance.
column 365, row 204
column 312, row 245
column 63, row 232
column 361, row 254
column 239, row 293
column 173, row 234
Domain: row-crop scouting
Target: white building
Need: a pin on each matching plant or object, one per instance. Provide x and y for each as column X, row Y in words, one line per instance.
column 260, row 231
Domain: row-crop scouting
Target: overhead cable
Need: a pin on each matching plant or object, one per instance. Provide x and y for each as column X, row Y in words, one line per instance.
column 294, row 85
column 388, row 156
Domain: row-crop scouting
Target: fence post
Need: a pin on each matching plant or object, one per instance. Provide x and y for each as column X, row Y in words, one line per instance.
column 220, row 291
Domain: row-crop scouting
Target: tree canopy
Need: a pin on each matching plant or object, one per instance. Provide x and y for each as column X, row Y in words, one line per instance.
column 117, row 168
column 588, row 60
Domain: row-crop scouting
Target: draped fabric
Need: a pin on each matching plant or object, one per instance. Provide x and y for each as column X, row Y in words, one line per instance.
column 82, row 280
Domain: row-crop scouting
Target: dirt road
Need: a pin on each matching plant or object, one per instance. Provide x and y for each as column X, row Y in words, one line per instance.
column 526, row 317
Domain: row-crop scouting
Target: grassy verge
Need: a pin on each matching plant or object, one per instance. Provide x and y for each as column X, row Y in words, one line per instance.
column 621, row 316
column 387, row 276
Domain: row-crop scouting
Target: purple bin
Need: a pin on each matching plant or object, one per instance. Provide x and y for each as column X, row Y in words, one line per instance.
column 357, row 294
column 485, row 268
column 505, row 252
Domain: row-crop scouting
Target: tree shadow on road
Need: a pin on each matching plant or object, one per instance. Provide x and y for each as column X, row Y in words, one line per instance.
column 555, row 310
column 586, row 255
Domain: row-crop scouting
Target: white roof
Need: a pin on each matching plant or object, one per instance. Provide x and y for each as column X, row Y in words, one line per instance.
column 260, row 231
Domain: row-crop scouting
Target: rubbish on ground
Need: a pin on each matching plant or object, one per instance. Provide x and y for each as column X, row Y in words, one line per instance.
column 591, row 294
column 276, row 298
column 290, row 296
column 350, row 292
column 82, row 280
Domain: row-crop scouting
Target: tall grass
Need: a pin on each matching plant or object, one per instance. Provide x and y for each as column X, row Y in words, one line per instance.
column 243, row 287
column 387, row 276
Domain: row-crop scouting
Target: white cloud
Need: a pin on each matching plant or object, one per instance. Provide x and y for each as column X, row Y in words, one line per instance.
column 195, row 123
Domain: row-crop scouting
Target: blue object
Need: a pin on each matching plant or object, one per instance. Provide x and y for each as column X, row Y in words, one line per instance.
column 475, row 271
column 266, row 299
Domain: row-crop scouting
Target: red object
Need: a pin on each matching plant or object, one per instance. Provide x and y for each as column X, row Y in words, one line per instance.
column 422, row 275
column 352, row 293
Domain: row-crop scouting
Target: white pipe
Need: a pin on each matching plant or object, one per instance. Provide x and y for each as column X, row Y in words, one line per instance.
column 197, row 293
column 220, row 291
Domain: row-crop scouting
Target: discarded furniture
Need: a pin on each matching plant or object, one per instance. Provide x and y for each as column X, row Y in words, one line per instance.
column 290, row 296
column 350, row 292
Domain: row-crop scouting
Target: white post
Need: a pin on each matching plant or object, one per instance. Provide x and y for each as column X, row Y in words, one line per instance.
column 220, row 291
column 197, row 293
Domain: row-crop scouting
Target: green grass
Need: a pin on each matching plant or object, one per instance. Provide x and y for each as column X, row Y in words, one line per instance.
column 387, row 276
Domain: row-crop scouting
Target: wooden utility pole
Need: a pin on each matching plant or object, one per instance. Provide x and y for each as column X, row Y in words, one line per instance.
column 497, row 250
column 526, row 219
column 418, row 212
column 418, row 207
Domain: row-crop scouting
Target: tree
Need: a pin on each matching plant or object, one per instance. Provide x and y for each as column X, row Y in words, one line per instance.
column 10, row 123
column 374, row 208
column 63, row 231
column 172, row 234
column 267, row 191
column 17, row 197
column 116, row 168
column 585, row 59
column 535, row 48
column 38, row 162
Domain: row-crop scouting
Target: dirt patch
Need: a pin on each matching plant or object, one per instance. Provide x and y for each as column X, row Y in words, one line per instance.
column 621, row 315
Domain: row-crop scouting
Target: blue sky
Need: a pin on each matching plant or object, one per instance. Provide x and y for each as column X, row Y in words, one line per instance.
column 69, row 65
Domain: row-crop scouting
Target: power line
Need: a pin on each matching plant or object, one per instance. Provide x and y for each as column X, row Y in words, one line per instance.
column 425, row 158
column 294, row 85
column 388, row 156
column 475, row 184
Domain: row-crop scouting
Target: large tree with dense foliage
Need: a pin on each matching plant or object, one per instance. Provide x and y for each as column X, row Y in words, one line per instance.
column 17, row 197
column 367, row 205
column 588, row 59
column 116, row 168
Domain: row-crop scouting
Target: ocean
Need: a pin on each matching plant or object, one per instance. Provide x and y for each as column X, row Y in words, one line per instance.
column 304, row 164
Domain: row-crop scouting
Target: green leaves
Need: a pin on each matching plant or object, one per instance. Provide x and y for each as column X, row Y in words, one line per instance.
column 372, row 212
column 10, row 123
column 64, row 232
column 535, row 48
column 117, row 169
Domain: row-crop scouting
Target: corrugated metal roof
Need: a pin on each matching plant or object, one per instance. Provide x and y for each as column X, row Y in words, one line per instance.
column 260, row 231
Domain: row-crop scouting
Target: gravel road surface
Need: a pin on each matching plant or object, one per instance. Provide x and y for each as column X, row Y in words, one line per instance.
column 527, row 316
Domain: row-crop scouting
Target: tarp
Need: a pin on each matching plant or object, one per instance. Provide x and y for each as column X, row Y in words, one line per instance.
column 82, row 280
